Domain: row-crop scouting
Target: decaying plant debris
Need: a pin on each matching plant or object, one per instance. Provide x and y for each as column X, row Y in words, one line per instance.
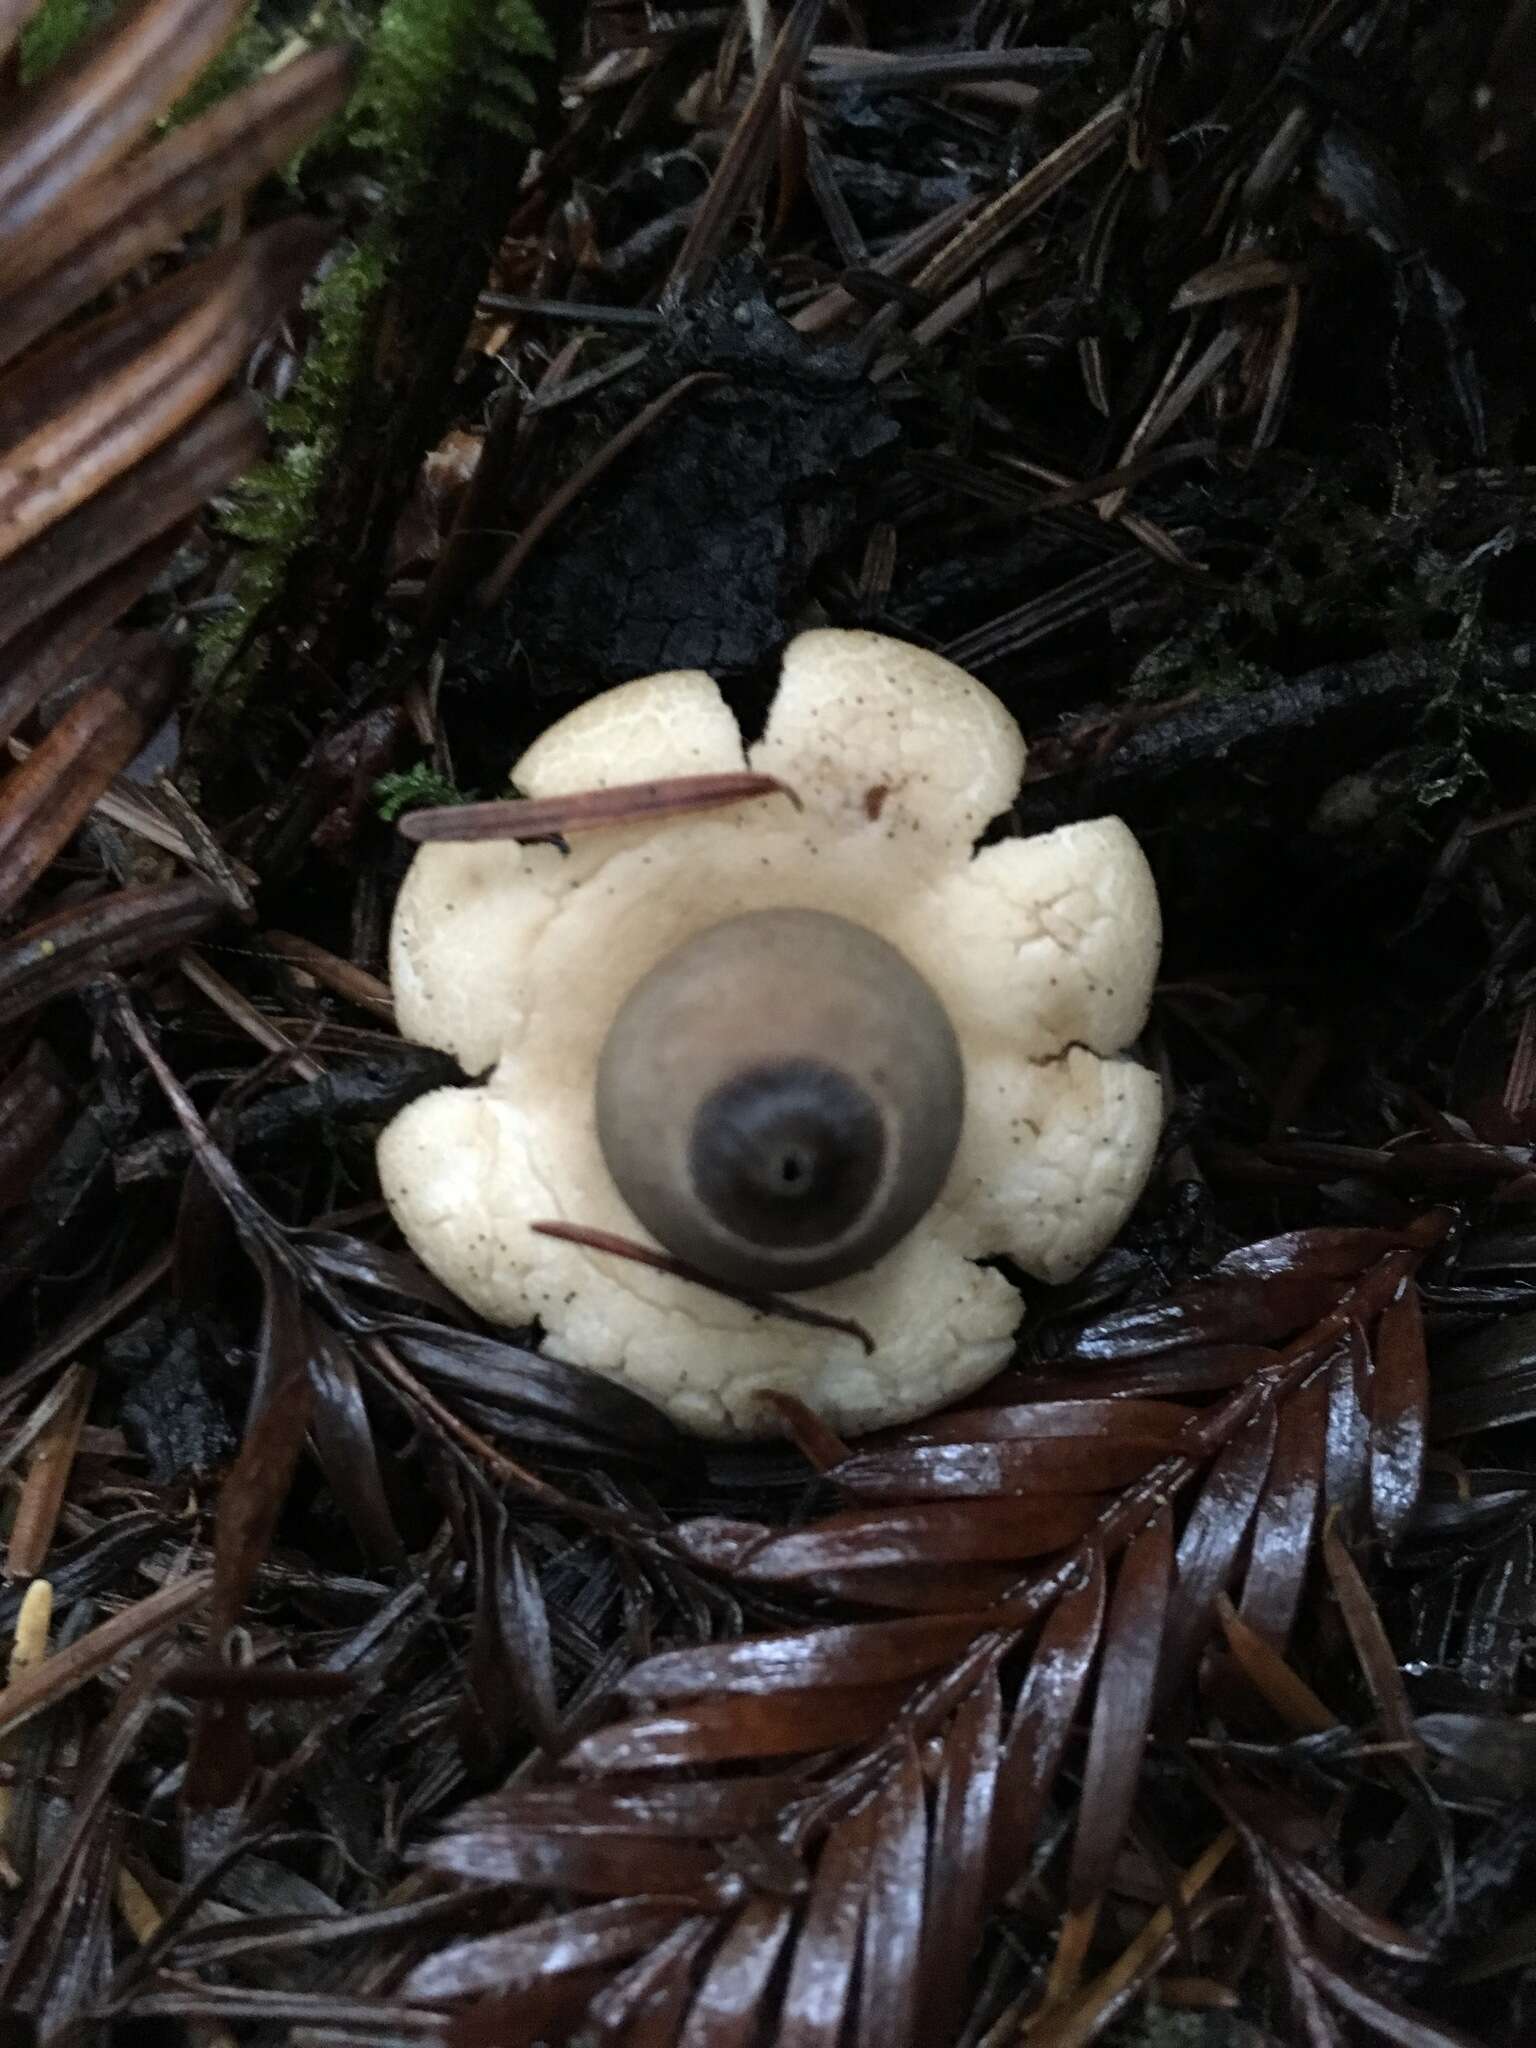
column 373, row 1679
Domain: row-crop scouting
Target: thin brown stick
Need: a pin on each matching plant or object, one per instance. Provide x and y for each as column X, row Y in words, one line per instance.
column 94, row 108
column 121, row 929
column 43, row 801
column 1271, row 1676
column 747, row 150
column 47, row 1481
column 20, row 1440
column 1245, row 270
column 155, row 196
column 86, row 1658
column 49, row 652
column 121, row 803
column 342, row 977
column 481, row 1452
column 1098, row 2002
column 1173, row 400
column 530, row 818
column 244, row 1014
column 233, row 881
column 913, row 248
column 990, row 228
column 663, row 1262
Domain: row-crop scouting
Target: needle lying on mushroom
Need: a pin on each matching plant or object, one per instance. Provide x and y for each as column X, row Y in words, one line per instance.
column 833, row 1054
column 557, row 815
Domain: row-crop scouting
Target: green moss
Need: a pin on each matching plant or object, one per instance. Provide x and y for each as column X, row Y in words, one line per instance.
column 417, row 53
column 272, row 510
column 1201, row 656
column 427, row 65
column 249, row 51
column 54, row 30
column 413, row 789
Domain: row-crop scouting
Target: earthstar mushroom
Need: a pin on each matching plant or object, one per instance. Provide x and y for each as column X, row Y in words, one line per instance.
column 830, row 1052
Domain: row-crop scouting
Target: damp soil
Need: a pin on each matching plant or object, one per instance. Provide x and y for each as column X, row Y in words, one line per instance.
column 1168, row 368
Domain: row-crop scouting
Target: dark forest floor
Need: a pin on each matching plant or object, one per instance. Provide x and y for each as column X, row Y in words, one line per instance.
column 1169, row 368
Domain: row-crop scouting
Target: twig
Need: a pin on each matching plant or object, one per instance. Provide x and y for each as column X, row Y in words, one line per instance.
column 250, row 1020
column 535, row 818
column 42, row 1496
column 86, row 1658
column 764, row 1303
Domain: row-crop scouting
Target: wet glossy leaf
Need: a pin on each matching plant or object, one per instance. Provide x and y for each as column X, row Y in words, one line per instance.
column 1399, row 1405
column 1487, row 1381
column 372, row 1269
column 821, row 1966
column 1388, row 2017
column 1346, row 1466
column 1196, row 1369
column 1372, row 1644
column 1210, row 1547
column 913, row 1589
column 1334, row 1254
column 958, row 1869
column 786, row 1723
column 979, row 1530
column 1303, row 1997
column 891, row 1959
column 542, row 2012
column 572, row 1557
column 509, row 1672
column 1292, row 1700
column 1241, row 1308
column 1054, row 1686
column 581, row 1940
column 1133, row 1634
column 1287, row 1516
column 1361, row 1924
column 1492, row 1755
column 1082, row 1413
column 871, row 1653
column 514, row 1379
column 728, row 2009
column 249, row 1505
column 345, row 1445
column 701, row 1809
column 1049, row 1465
column 648, row 1999
column 577, row 1860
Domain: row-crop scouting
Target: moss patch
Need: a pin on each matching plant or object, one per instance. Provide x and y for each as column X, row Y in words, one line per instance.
column 430, row 67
